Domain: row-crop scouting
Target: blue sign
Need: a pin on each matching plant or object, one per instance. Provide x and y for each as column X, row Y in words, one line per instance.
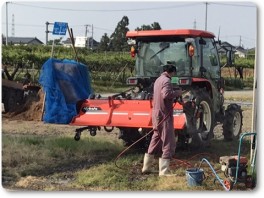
column 60, row 28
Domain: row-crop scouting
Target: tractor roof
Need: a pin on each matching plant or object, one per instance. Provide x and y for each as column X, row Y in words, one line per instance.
column 167, row 33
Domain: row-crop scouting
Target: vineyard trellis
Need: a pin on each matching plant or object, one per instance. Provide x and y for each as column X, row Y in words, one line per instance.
column 106, row 68
column 102, row 66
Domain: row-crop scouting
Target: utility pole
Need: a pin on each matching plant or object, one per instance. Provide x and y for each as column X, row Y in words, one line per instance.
column 47, row 31
column 6, row 23
column 86, row 31
column 194, row 24
column 219, row 33
column 206, row 4
column 92, row 37
column 13, row 25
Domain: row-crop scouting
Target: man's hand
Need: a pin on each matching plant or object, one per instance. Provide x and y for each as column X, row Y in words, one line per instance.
column 177, row 91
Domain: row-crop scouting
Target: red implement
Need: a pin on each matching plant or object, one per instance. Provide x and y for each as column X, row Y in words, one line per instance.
column 122, row 113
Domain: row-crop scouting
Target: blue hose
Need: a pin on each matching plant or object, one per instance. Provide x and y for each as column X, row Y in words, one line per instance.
column 218, row 178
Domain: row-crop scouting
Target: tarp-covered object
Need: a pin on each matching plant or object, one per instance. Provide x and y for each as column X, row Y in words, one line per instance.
column 65, row 82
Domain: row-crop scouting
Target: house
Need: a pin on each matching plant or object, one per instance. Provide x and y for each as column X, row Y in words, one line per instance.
column 241, row 52
column 67, row 42
column 90, row 43
column 227, row 46
column 24, row 41
column 224, row 47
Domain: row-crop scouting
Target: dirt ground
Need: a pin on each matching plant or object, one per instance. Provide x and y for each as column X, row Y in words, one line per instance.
column 27, row 119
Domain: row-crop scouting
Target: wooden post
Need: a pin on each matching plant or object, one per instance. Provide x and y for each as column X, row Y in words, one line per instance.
column 43, row 106
column 72, row 41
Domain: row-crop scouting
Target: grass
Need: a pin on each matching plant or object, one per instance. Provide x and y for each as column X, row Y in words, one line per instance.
column 106, row 87
column 128, row 178
column 31, row 155
column 60, row 163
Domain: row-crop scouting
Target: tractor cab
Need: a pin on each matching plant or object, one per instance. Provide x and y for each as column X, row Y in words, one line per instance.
column 193, row 52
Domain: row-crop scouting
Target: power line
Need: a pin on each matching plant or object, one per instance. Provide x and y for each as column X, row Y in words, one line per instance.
column 131, row 10
column 99, row 28
column 236, row 5
column 241, row 40
column 103, row 29
column 41, row 26
column 111, row 10
column 28, row 25
column 227, row 36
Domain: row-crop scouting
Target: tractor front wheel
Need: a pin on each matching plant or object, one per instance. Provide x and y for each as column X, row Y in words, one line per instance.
column 232, row 125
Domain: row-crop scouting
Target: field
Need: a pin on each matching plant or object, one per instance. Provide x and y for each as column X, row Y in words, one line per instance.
column 45, row 157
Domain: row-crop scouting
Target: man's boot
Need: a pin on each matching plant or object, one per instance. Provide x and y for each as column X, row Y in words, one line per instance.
column 148, row 160
column 164, row 169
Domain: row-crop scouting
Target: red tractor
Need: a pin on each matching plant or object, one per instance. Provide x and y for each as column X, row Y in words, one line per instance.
column 195, row 55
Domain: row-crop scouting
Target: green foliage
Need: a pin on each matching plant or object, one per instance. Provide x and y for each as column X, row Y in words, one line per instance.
column 56, row 41
column 244, row 63
column 153, row 26
column 249, row 82
column 108, row 69
column 234, row 83
column 251, row 54
column 105, row 66
column 118, row 38
column 240, row 62
column 104, row 43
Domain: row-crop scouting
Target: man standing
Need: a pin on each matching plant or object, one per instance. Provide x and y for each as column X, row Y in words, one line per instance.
column 163, row 138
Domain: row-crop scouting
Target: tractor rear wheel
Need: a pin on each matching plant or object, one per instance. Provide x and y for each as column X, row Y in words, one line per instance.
column 232, row 125
column 202, row 121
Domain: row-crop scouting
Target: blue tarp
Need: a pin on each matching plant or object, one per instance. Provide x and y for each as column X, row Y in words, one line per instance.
column 65, row 82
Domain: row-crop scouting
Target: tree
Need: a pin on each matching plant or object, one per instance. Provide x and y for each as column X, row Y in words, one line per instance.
column 118, row 38
column 104, row 43
column 153, row 26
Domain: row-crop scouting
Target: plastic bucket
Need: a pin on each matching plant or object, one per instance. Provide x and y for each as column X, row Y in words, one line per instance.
column 194, row 176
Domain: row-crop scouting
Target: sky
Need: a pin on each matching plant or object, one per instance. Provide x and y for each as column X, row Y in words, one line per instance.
column 236, row 21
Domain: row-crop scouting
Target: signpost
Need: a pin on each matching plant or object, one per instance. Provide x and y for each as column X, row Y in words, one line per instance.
column 60, row 28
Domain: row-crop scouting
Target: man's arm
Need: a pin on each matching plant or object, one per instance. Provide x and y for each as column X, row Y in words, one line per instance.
column 168, row 92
